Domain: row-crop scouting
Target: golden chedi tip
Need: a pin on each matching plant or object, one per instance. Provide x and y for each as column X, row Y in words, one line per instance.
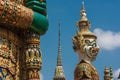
column 84, row 24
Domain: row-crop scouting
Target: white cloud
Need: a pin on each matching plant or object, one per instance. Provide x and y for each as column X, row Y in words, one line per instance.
column 116, row 73
column 107, row 40
column 41, row 76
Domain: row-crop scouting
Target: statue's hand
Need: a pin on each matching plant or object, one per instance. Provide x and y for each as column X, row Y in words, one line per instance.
column 37, row 5
column 40, row 22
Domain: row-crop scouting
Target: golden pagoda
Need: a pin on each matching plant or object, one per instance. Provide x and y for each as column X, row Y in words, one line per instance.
column 108, row 74
column 59, row 72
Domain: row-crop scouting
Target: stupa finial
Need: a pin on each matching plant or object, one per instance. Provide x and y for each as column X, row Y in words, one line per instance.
column 83, row 12
column 59, row 60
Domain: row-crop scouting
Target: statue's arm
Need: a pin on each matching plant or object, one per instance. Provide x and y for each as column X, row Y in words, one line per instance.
column 16, row 15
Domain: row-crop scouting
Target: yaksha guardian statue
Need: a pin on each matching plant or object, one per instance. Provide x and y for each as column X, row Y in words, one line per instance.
column 21, row 24
column 85, row 45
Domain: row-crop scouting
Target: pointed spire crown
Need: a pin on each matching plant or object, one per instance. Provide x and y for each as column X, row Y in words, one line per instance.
column 83, row 12
column 59, row 59
column 83, row 23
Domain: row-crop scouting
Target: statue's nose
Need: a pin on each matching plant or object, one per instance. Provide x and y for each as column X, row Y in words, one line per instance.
column 95, row 50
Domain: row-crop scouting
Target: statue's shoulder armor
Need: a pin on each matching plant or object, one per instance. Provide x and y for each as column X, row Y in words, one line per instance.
column 85, row 70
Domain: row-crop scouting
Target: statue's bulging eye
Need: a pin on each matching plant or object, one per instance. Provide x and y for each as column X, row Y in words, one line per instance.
column 87, row 41
column 94, row 44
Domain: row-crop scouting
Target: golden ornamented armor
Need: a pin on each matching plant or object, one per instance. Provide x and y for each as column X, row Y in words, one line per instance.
column 10, row 46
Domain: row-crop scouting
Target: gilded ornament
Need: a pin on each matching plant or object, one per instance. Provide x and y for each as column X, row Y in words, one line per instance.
column 19, row 15
column 1, row 7
column 4, row 71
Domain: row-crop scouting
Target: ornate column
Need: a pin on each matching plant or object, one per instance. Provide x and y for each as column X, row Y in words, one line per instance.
column 84, row 43
column 33, row 56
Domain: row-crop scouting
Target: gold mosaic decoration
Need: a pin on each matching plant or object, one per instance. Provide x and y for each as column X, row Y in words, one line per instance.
column 13, row 14
column 10, row 44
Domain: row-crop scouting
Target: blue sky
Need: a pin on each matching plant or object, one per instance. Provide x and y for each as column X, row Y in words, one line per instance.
column 105, row 23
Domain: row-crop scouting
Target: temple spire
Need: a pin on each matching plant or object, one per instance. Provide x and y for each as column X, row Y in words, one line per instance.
column 111, row 73
column 59, row 72
column 106, row 74
column 59, row 60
